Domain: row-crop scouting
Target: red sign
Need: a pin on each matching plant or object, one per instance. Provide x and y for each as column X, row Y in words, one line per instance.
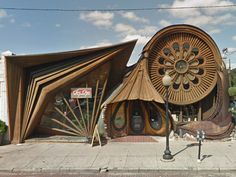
column 81, row 93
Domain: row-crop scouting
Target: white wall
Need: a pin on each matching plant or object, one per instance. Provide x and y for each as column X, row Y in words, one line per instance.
column 3, row 96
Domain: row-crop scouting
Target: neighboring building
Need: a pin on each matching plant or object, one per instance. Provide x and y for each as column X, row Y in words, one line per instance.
column 3, row 95
column 64, row 93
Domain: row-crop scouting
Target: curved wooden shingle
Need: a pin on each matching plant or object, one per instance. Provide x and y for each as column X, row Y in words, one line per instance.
column 137, row 86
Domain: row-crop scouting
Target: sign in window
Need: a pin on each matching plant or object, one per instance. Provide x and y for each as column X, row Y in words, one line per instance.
column 81, row 92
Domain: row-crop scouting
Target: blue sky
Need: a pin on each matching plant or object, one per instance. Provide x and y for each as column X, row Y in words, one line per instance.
column 32, row 32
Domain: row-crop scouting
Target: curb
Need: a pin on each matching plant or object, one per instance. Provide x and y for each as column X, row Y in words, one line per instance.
column 114, row 170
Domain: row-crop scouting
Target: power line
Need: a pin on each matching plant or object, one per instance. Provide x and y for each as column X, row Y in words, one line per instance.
column 116, row 9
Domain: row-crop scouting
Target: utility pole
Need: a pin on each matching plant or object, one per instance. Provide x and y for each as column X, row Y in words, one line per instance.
column 226, row 52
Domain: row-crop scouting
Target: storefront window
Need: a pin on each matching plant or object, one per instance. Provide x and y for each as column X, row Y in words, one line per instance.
column 74, row 110
column 119, row 120
column 154, row 116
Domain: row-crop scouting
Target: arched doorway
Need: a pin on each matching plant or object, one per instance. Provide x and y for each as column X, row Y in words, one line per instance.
column 145, row 118
column 137, row 119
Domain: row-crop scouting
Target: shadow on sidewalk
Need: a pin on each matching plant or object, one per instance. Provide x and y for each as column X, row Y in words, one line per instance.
column 187, row 146
column 205, row 156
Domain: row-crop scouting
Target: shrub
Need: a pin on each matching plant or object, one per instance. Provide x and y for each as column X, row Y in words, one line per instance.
column 232, row 91
column 3, row 127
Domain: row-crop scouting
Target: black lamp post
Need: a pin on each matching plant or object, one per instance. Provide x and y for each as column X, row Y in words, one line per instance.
column 166, row 80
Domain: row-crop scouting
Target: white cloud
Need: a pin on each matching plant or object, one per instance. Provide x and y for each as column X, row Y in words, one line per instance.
column 196, row 12
column 214, row 31
column 200, row 20
column 58, row 25
column 204, row 20
column 213, row 11
column 205, row 16
column 234, row 38
column 128, row 33
column 231, row 49
column 164, row 23
column 99, row 44
column 124, row 28
column 26, row 24
column 224, row 19
column 183, row 13
column 3, row 13
column 141, row 39
column 148, row 30
column 99, row 19
column 133, row 17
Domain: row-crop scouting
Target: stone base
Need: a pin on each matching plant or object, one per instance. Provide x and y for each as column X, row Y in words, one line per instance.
column 168, row 160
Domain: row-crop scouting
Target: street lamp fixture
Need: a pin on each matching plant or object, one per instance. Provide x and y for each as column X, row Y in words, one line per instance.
column 200, row 137
column 166, row 81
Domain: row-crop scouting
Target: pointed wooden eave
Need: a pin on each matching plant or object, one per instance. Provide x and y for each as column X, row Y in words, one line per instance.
column 137, row 86
column 30, row 60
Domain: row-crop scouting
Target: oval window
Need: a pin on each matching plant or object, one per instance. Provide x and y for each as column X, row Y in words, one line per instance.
column 118, row 120
column 155, row 119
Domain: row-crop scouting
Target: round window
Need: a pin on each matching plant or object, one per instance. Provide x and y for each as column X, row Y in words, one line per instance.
column 181, row 66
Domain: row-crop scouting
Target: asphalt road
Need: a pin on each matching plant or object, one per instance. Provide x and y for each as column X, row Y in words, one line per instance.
column 148, row 174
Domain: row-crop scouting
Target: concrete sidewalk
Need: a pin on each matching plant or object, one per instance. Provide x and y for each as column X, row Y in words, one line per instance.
column 123, row 157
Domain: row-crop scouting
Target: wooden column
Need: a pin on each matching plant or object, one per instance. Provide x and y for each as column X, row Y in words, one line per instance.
column 19, row 108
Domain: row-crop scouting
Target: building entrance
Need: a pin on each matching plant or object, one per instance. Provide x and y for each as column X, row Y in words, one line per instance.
column 137, row 119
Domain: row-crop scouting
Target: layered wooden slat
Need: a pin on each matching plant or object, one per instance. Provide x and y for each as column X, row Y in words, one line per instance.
column 33, row 80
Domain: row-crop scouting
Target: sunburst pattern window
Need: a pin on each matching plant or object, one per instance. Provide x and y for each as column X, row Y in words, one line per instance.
column 189, row 61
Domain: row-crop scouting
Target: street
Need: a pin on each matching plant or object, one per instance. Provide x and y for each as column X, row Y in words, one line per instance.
column 125, row 174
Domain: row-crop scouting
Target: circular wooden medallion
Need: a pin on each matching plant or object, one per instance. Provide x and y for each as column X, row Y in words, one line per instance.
column 190, row 62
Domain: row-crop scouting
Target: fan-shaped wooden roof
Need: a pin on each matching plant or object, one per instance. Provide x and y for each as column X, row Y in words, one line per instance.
column 137, row 86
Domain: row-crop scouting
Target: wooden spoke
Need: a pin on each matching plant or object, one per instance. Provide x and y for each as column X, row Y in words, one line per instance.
column 68, row 119
column 82, row 116
column 66, row 126
column 180, row 52
column 100, row 102
column 76, row 118
column 94, row 105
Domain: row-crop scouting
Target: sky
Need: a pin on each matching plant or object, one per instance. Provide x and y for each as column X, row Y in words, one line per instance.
column 35, row 32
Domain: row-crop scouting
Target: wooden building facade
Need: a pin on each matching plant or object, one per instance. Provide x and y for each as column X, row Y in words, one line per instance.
column 40, row 89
